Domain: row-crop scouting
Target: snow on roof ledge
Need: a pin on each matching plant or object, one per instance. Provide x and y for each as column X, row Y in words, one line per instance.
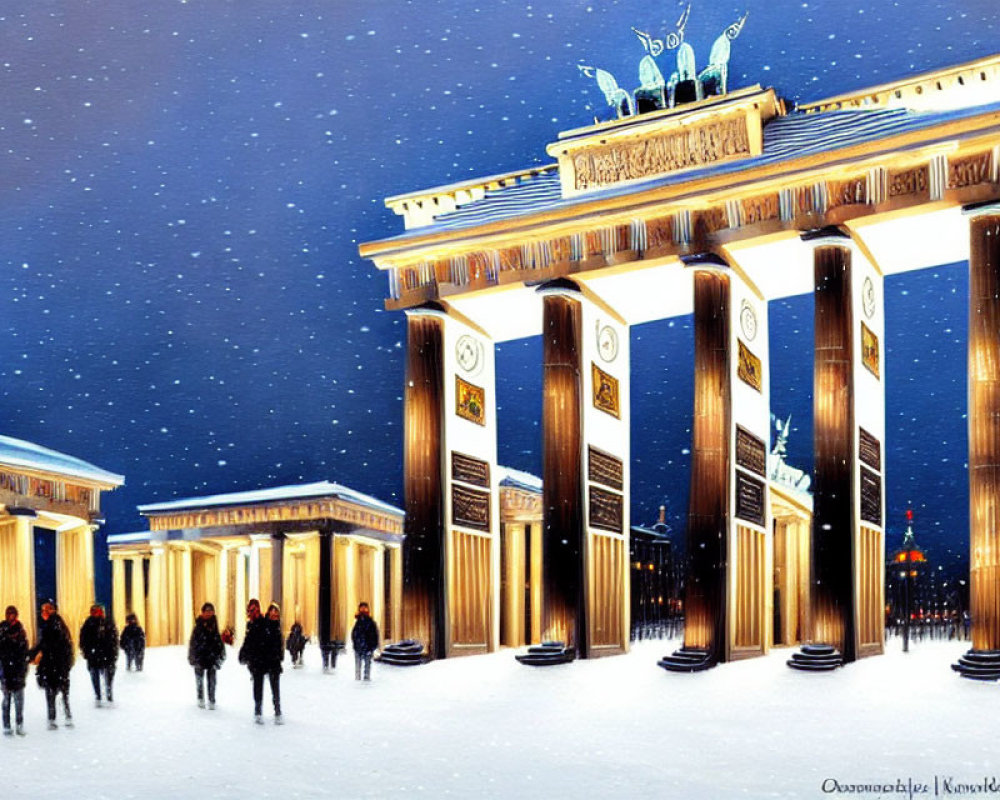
column 519, row 480
column 27, row 455
column 130, row 538
column 272, row 495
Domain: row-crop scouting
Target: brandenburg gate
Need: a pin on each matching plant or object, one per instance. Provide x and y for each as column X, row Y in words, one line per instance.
column 711, row 207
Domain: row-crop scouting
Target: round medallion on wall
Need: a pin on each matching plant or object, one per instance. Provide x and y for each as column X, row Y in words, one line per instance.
column 607, row 343
column 868, row 297
column 467, row 353
column 748, row 321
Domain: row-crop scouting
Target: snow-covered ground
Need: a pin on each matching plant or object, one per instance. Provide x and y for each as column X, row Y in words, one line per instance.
column 486, row 726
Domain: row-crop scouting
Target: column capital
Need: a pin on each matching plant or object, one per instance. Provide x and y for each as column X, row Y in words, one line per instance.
column 427, row 310
column 705, row 261
column 990, row 209
column 830, row 235
column 560, row 286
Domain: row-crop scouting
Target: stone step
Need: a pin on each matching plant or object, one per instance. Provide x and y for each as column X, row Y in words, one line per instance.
column 816, row 658
column 982, row 676
column 399, row 661
column 805, row 666
column 687, row 659
column 982, row 657
column 979, row 665
column 405, row 653
column 544, row 648
column 684, row 666
column 545, row 659
column 802, row 658
column 818, row 649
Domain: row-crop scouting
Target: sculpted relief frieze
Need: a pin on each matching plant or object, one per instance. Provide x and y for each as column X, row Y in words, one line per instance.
column 970, row 171
column 639, row 158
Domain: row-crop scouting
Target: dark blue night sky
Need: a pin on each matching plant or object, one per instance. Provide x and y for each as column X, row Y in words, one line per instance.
column 185, row 184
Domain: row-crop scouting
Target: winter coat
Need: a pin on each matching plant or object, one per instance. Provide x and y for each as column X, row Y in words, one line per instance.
column 13, row 655
column 205, row 648
column 364, row 635
column 133, row 639
column 56, row 648
column 99, row 642
column 296, row 641
column 262, row 649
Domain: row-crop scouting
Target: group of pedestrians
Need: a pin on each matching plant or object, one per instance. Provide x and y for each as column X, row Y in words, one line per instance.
column 53, row 657
column 262, row 652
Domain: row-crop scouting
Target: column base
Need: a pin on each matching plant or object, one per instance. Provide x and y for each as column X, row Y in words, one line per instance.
column 547, row 654
column 688, row 659
column 979, row 665
column 405, row 653
column 816, row 658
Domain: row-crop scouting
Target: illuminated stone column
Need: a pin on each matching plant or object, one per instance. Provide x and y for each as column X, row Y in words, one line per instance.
column 277, row 572
column 984, row 427
column 75, row 575
column 730, row 548
column 223, row 561
column 513, row 634
column 451, row 551
column 348, row 579
column 585, row 473
column 242, row 597
column 17, row 568
column 310, row 613
column 846, row 608
column 118, row 590
column 138, row 598
column 535, row 635
column 185, row 612
column 156, row 621
column 396, row 590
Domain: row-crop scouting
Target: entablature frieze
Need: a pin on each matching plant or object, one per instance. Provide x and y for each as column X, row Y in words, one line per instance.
column 903, row 181
column 45, row 496
column 321, row 510
column 517, row 505
column 50, row 492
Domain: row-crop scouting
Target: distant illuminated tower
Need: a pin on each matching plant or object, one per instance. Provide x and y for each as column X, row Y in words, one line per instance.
column 908, row 564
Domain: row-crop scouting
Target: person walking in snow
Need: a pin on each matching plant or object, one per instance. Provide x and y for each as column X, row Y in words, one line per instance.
column 206, row 653
column 364, row 637
column 296, row 643
column 53, row 656
column 13, row 668
column 262, row 652
column 99, row 645
column 133, row 643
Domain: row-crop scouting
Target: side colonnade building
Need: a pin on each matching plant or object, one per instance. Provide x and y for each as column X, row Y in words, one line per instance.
column 47, row 493
column 711, row 208
column 316, row 549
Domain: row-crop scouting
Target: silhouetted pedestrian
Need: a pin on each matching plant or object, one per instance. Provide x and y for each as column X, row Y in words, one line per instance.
column 296, row 643
column 99, row 645
column 133, row 643
column 54, row 654
column 13, row 668
column 364, row 637
column 206, row 653
column 262, row 652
